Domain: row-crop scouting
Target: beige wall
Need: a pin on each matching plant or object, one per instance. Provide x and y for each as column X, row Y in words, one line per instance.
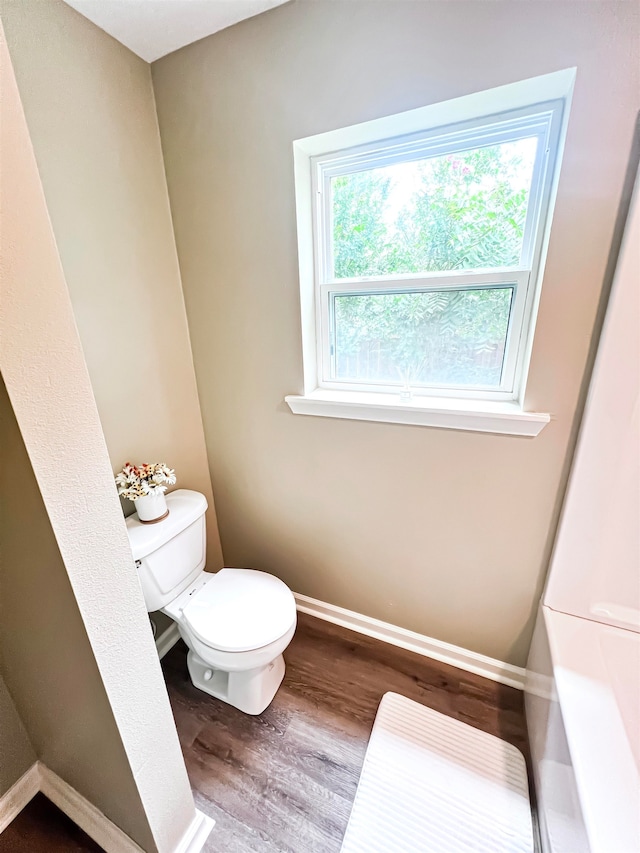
column 91, row 115
column 45, row 655
column 16, row 751
column 442, row 532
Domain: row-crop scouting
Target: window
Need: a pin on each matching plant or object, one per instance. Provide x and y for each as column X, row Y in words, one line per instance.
column 427, row 251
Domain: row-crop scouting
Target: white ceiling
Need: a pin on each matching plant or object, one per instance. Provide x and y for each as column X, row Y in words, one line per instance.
column 153, row 28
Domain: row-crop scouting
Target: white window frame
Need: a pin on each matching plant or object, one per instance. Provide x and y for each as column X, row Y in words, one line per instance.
column 543, row 122
column 537, row 107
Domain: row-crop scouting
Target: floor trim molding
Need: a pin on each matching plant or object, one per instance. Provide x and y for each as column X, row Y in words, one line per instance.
column 19, row 795
column 194, row 838
column 83, row 813
column 496, row 670
column 167, row 640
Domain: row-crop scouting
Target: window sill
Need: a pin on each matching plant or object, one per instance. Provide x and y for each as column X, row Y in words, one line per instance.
column 470, row 415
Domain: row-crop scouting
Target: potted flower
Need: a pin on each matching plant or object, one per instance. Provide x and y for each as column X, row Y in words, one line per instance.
column 145, row 485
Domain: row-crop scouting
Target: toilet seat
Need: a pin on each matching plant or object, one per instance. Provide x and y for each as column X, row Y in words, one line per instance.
column 240, row 610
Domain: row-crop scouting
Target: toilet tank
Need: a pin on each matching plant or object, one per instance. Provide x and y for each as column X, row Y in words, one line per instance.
column 170, row 554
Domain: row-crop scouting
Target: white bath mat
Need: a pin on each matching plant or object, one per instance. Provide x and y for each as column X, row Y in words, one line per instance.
column 431, row 784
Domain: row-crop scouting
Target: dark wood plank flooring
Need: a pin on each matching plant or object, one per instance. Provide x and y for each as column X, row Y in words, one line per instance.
column 284, row 782
column 42, row 828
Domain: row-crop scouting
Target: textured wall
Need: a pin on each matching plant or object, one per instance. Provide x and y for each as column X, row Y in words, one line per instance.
column 442, row 532
column 78, row 657
column 16, row 751
column 45, row 654
column 91, row 115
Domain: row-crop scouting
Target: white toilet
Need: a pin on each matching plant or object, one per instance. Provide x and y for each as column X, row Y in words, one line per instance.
column 236, row 622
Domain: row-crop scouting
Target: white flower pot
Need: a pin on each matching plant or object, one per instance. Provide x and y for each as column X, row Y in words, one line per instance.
column 151, row 508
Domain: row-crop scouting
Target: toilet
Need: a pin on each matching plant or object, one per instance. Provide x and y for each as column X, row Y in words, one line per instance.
column 236, row 622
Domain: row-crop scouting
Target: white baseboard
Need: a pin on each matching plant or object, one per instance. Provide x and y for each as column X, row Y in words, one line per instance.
column 496, row 670
column 19, row 795
column 194, row 838
column 86, row 815
column 167, row 640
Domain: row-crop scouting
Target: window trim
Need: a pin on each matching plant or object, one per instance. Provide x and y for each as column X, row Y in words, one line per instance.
column 459, row 414
column 468, row 110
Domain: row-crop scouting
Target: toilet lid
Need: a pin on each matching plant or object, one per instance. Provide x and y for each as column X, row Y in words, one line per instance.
column 240, row 609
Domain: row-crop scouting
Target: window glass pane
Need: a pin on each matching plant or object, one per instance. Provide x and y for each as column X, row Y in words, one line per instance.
column 464, row 210
column 446, row 337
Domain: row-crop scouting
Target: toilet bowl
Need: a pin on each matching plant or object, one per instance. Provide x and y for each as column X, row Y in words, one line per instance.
column 236, row 622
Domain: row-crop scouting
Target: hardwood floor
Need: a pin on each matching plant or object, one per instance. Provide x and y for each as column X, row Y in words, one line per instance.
column 42, row 828
column 284, row 782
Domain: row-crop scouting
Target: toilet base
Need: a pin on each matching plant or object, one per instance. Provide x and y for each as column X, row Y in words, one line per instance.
column 249, row 690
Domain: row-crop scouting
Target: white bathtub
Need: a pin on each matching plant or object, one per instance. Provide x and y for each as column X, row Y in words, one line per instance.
column 583, row 714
